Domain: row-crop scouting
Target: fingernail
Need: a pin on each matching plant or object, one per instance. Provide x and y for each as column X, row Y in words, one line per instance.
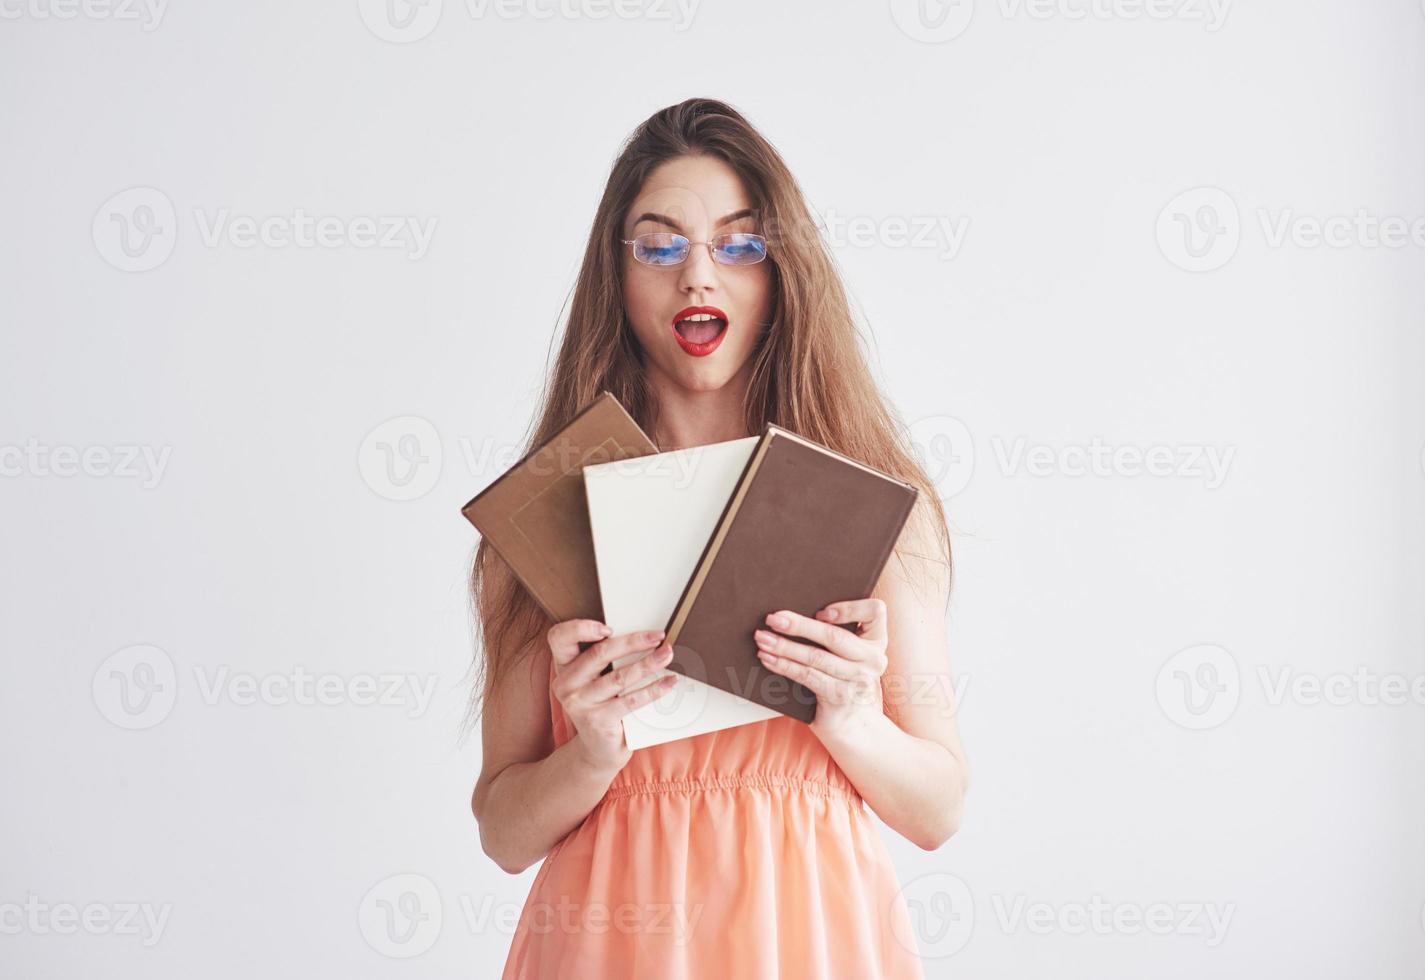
column 778, row 621
column 762, row 636
column 656, row 636
column 832, row 613
column 606, row 631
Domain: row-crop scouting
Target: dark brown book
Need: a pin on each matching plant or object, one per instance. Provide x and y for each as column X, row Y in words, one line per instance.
column 804, row 528
column 536, row 515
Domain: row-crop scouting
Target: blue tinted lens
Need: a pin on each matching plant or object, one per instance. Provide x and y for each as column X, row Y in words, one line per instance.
column 660, row 248
column 740, row 249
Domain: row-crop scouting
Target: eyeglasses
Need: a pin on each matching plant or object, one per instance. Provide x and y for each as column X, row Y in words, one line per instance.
column 663, row 248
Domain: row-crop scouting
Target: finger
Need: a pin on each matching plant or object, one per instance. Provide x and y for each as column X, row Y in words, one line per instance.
column 629, row 676
column 834, row 638
column 564, row 638
column 814, row 657
column 823, row 685
column 618, row 707
column 869, row 614
column 588, row 664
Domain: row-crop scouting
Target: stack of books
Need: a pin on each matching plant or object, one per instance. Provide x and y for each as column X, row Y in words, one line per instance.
column 702, row 543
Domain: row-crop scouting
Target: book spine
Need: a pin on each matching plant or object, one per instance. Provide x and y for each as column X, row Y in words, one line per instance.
column 728, row 509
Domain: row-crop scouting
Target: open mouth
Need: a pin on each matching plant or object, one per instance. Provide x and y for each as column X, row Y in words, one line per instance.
column 700, row 329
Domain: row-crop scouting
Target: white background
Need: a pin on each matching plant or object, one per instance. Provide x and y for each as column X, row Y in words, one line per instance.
column 1066, row 317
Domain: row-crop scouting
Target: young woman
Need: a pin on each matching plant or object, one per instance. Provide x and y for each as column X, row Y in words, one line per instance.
column 708, row 304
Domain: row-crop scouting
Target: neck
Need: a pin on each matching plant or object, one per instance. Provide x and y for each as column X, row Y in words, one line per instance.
column 688, row 417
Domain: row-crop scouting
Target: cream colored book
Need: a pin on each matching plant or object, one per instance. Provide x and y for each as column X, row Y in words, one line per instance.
column 651, row 518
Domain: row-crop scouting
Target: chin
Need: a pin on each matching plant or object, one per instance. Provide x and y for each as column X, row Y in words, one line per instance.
column 704, row 379
column 701, row 376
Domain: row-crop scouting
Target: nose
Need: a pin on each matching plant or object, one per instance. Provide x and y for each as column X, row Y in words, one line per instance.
column 699, row 272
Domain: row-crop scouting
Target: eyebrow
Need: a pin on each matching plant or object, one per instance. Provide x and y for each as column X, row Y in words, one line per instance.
column 663, row 219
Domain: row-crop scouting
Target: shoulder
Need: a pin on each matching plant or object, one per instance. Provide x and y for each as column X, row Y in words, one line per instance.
column 919, row 569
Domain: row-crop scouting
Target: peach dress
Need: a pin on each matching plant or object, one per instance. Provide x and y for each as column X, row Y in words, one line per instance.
column 745, row 853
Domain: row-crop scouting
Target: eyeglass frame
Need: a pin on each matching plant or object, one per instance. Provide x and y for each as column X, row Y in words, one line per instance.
column 711, row 254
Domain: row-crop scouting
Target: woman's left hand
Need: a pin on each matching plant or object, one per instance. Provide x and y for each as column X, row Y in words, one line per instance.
column 846, row 676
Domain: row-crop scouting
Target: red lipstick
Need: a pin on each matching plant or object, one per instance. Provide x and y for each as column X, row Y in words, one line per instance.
column 697, row 335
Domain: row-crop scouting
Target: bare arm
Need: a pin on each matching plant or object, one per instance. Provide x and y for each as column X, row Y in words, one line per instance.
column 530, row 795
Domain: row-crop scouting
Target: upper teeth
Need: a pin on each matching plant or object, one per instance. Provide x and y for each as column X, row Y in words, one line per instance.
column 700, row 317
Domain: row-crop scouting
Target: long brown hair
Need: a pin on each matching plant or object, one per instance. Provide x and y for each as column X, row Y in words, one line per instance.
column 809, row 374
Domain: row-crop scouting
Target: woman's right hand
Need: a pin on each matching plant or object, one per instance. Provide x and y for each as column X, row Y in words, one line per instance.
column 595, row 703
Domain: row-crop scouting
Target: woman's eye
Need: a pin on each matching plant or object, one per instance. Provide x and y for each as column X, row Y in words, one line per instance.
column 740, row 249
column 660, row 248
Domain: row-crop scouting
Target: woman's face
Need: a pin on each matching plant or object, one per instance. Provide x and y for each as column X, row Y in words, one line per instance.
column 697, row 197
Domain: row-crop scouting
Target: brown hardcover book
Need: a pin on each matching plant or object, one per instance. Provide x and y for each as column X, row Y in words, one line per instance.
column 805, row 527
column 536, row 516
